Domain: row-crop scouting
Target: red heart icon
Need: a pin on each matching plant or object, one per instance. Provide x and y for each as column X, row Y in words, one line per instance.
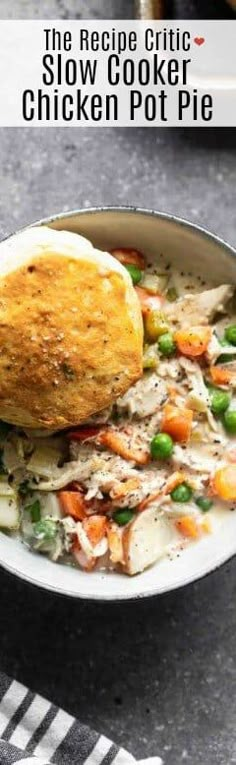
column 199, row 40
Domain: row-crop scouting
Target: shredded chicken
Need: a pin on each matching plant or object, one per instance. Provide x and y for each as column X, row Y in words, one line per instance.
column 170, row 369
column 216, row 349
column 198, row 397
column 106, row 475
column 200, row 307
column 145, row 397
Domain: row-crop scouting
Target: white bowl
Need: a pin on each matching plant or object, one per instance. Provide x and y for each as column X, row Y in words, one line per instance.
column 191, row 248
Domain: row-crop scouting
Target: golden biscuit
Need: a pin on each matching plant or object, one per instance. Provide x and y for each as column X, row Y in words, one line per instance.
column 70, row 329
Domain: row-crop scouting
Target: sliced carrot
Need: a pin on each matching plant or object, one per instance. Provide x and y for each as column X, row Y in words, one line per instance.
column 129, row 256
column 114, row 441
column 115, row 545
column 224, row 482
column 193, row 341
column 95, row 527
column 177, row 422
column 83, row 433
column 93, row 505
column 148, row 302
column 188, row 527
column 72, row 503
column 223, row 375
column 124, row 487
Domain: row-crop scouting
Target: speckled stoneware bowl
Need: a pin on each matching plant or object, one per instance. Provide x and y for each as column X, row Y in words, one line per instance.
column 185, row 245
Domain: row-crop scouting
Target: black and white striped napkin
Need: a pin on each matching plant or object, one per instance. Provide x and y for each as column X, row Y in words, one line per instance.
column 35, row 732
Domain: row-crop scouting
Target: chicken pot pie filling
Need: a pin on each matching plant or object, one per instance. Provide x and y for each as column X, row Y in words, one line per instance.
column 154, row 472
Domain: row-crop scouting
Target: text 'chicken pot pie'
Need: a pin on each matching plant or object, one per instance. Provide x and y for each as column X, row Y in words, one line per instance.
column 70, row 329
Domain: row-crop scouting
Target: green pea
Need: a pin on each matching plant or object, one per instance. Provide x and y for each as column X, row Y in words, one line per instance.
column 229, row 421
column 224, row 358
column 182, row 493
column 45, row 530
column 166, row 344
column 122, row 516
column 135, row 273
column 161, row 446
column 230, row 334
column 220, row 400
column 35, row 510
column 204, row 503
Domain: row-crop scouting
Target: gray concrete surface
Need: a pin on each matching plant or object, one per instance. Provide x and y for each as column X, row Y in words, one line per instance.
column 158, row 676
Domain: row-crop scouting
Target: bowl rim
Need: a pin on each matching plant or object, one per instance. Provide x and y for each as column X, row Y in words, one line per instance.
column 224, row 557
column 120, row 598
column 145, row 211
